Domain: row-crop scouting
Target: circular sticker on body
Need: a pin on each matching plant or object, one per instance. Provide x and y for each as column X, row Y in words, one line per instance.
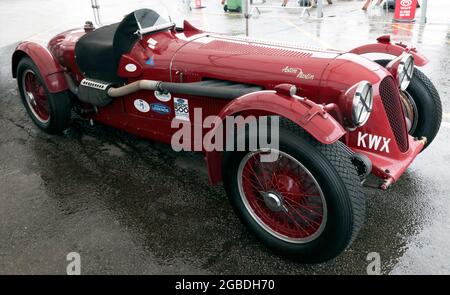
column 142, row 106
column 131, row 68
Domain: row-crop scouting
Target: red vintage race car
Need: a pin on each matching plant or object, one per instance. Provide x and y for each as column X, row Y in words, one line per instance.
column 340, row 116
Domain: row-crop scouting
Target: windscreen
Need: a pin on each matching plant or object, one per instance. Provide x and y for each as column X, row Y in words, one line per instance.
column 149, row 18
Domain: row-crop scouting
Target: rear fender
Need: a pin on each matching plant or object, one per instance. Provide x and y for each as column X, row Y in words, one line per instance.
column 384, row 45
column 51, row 71
column 313, row 118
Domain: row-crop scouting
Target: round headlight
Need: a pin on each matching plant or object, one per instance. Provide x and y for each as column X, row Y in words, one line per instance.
column 405, row 71
column 362, row 104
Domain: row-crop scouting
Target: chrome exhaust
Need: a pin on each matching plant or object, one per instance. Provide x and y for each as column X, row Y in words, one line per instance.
column 134, row 87
column 218, row 89
column 100, row 93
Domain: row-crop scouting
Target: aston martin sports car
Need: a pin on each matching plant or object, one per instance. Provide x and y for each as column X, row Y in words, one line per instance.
column 338, row 115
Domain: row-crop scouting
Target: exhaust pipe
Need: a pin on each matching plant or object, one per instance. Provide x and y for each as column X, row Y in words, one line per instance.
column 101, row 93
column 133, row 87
column 216, row 89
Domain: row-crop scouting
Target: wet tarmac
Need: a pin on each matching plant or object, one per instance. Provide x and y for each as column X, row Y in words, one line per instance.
column 131, row 206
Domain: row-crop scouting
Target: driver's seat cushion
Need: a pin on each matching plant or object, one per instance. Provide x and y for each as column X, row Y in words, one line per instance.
column 98, row 53
column 94, row 53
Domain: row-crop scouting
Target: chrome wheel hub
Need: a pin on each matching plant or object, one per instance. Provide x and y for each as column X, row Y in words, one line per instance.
column 31, row 99
column 273, row 201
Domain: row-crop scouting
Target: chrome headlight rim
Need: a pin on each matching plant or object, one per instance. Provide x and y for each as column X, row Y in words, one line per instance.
column 362, row 103
column 405, row 71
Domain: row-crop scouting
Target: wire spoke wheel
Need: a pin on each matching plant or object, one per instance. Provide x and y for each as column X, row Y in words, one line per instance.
column 283, row 197
column 35, row 96
column 307, row 205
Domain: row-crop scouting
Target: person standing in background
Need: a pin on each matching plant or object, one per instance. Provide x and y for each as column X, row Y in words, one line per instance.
column 313, row 3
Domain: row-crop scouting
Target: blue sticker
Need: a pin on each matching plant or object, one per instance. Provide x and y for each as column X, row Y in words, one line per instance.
column 150, row 61
column 160, row 108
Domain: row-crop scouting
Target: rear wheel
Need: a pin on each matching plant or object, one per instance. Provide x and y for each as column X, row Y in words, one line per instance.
column 51, row 112
column 422, row 105
column 308, row 204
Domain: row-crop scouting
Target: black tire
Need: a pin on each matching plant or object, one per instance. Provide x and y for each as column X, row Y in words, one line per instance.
column 343, row 193
column 59, row 104
column 428, row 102
column 225, row 8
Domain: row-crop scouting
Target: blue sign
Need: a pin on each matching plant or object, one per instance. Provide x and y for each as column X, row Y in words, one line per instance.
column 160, row 108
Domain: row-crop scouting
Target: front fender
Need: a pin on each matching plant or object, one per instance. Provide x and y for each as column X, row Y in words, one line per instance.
column 384, row 45
column 305, row 113
column 51, row 71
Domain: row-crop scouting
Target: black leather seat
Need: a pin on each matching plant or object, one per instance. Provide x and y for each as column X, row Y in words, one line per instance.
column 95, row 54
column 98, row 53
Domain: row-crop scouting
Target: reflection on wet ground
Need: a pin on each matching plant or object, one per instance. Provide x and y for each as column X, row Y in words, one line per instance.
column 133, row 206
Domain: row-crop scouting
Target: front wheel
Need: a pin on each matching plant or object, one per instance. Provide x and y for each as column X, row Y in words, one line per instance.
column 307, row 205
column 422, row 106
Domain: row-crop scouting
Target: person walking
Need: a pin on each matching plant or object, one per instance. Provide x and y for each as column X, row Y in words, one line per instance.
column 313, row 3
column 366, row 5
